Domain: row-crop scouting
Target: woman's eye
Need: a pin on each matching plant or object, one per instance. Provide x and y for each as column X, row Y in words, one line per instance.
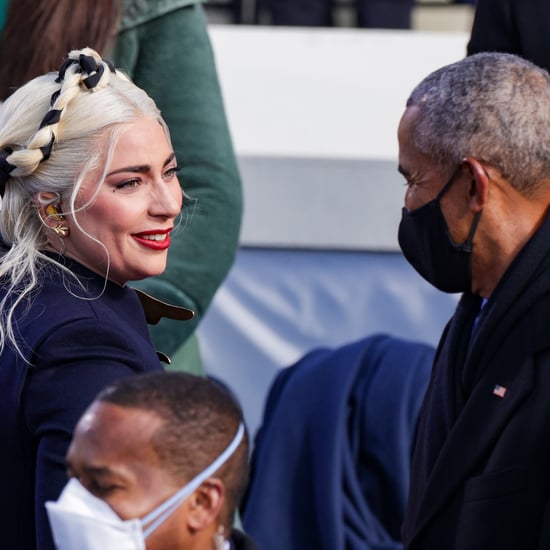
column 171, row 172
column 127, row 184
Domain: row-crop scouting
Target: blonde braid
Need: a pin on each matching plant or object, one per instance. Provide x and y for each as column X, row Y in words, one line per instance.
column 83, row 70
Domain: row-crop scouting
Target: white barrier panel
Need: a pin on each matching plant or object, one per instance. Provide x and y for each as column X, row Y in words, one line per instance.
column 314, row 115
column 335, row 93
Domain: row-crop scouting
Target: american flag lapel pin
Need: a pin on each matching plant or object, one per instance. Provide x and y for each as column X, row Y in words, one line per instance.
column 499, row 391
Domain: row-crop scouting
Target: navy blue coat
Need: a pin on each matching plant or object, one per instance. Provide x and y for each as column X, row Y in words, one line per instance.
column 331, row 463
column 76, row 341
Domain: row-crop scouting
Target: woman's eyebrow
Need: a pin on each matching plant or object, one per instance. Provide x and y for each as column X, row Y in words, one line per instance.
column 140, row 168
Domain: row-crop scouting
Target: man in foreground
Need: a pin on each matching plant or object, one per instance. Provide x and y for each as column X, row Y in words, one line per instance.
column 157, row 462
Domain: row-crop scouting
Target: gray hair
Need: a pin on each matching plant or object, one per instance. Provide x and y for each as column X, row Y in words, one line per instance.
column 494, row 107
column 59, row 129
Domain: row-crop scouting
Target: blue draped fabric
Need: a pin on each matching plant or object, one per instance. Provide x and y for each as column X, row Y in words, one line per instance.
column 331, row 460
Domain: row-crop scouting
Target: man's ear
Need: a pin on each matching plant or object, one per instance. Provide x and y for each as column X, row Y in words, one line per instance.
column 205, row 504
column 479, row 187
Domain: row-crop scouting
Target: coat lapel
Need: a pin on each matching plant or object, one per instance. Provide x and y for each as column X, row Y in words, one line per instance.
column 475, row 431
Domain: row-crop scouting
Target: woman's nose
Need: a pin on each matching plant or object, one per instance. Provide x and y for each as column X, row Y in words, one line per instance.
column 167, row 199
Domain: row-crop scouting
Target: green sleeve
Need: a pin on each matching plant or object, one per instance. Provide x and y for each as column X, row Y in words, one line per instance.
column 171, row 57
column 3, row 12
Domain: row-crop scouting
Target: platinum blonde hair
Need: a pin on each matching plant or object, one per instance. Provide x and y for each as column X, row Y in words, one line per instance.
column 491, row 106
column 59, row 128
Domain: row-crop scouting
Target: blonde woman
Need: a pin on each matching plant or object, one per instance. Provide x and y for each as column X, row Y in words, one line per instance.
column 90, row 198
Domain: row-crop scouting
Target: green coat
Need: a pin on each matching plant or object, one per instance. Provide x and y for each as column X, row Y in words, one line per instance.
column 164, row 47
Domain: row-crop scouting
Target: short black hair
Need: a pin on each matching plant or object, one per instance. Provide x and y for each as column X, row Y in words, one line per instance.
column 200, row 418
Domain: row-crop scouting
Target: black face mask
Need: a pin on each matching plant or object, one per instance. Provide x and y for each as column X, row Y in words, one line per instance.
column 426, row 243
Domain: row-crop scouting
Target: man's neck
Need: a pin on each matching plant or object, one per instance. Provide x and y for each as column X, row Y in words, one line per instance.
column 499, row 245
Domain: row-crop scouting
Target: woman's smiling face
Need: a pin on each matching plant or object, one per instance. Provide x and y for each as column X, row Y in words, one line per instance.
column 134, row 210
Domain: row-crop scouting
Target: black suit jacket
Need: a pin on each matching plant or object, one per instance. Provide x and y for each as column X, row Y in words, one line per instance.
column 480, row 478
column 513, row 26
column 78, row 340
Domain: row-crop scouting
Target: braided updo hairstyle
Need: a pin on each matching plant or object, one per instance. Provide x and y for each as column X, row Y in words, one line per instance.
column 53, row 132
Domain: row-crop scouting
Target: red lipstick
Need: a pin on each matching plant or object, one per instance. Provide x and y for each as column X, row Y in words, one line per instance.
column 155, row 239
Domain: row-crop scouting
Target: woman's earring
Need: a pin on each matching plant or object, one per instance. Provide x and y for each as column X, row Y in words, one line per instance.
column 52, row 212
column 219, row 539
column 60, row 230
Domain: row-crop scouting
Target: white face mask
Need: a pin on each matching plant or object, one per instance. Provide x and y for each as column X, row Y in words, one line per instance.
column 81, row 520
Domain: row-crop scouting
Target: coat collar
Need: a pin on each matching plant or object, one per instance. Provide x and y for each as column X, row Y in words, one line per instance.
column 156, row 309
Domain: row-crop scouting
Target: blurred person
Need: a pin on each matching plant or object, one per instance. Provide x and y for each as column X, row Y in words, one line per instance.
column 158, row 461
column 90, row 197
column 165, row 48
column 393, row 14
column 473, row 148
column 513, row 26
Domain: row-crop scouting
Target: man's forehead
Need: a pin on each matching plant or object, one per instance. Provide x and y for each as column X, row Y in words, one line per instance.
column 110, row 430
column 409, row 119
column 103, row 416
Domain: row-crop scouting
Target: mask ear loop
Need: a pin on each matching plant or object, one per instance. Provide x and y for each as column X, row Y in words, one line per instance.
column 445, row 188
column 162, row 512
column 467, row 245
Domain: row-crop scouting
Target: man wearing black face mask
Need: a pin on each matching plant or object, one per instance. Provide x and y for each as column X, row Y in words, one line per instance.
column 428, row 246
column 474, row 147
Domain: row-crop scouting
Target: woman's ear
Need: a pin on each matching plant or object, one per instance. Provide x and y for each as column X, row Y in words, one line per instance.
column 46, row 197
column 479, row 187
column 48, row 207
column 205, row 505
